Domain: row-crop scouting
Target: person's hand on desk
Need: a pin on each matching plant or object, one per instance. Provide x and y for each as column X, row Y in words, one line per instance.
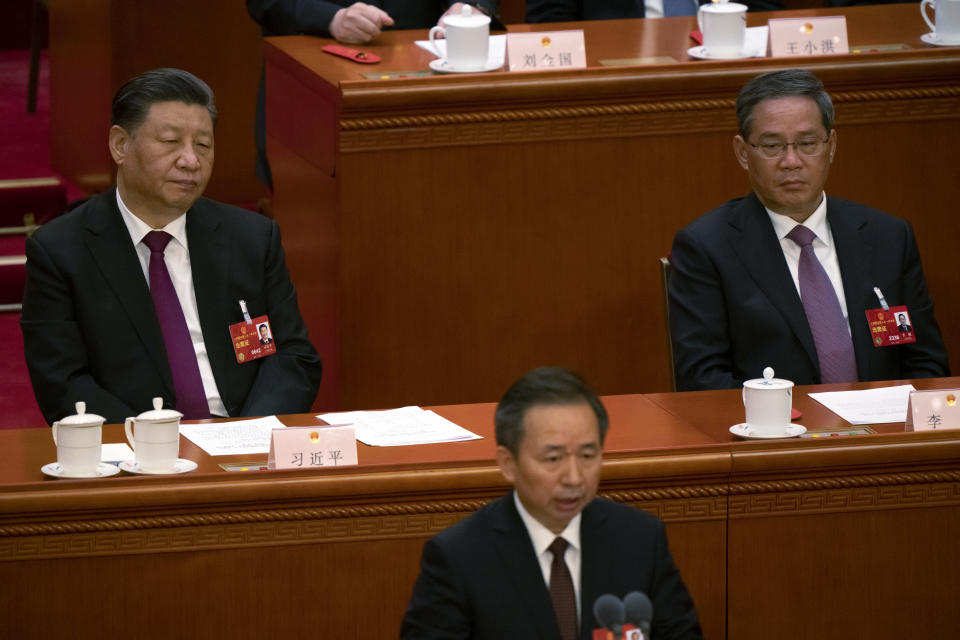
column 359, row 23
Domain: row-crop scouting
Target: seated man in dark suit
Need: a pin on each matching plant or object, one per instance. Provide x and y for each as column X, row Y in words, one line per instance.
column 532, row 563
column 132, row 294
column 753, row 287
column 346, row 21
column 352, row 22
column 576, row 10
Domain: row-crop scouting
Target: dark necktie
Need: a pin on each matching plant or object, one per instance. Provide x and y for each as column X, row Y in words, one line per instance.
column 561, row 592
column 187, row 384
column 824, row 315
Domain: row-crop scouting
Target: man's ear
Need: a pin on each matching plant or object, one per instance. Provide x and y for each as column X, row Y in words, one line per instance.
column 740, row 151
column 507, row 463
column 118, row 143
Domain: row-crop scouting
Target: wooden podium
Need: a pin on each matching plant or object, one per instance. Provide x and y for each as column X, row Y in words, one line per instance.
column 447, row 233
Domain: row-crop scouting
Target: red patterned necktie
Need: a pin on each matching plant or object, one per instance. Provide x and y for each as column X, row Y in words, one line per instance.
column 561, row 591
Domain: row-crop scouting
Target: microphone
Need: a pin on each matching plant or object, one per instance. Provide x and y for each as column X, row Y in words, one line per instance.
column 638, row 611
column 609, row 612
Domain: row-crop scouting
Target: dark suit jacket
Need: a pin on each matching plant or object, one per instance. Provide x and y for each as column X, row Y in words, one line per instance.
column 575, row 10
column 91, row 332
column 734, row 308
column 312, row 17
column 480, row 578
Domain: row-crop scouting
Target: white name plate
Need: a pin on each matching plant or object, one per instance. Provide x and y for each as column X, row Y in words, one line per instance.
column 808, row 36
column 546, row 51
column 312, row 447
column 933, row 410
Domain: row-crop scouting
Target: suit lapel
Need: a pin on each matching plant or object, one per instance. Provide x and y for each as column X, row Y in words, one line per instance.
column 855, row 252
column 108, row 241
column 520, row 564
column 209, row 263
column 594, row 564
column 758, row 249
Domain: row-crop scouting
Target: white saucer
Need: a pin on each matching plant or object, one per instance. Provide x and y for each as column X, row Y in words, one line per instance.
column 931, row 38
column 440, row 66
column 54, row 470
column 791, row 431
column 181, row 466
column 701, row 53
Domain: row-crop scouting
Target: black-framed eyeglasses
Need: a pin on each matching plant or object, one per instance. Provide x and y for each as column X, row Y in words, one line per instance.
column 808, row 147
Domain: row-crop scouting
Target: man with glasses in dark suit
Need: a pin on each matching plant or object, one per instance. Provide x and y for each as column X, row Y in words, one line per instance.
column 785, row 276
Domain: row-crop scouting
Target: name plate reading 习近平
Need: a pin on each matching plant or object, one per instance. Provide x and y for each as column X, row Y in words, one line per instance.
column 933, row 410
column 546, row 51
column 808, row 36
column 312, row 447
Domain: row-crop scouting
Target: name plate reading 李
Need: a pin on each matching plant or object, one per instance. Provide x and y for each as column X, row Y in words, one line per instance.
column 933, row 410
column 546, row 51
column 318, row 447
column 808, row 36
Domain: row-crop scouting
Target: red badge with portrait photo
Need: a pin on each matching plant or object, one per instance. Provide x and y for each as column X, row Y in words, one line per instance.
column 890, row 327
column 252, row 340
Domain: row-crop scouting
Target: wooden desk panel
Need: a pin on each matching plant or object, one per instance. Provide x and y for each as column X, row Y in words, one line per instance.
column 828, row 538
column 335, row 552
column 455, row 231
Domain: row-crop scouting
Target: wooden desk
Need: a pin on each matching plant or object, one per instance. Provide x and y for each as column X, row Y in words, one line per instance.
column 845, row 538
column 447, row 233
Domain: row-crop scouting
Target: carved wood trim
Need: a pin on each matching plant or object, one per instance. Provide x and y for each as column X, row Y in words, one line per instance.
column 847, row 494
column 183, row 532
column 624, row 119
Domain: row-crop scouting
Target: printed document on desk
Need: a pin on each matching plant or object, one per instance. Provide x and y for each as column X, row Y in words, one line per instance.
column 870, row 406
column 238, row 437
column 400, row 427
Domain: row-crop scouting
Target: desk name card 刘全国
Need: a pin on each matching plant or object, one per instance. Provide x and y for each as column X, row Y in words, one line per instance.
column 546, row 51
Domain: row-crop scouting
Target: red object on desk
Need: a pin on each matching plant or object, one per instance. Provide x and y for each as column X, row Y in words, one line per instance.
column 352, row 54
column 696, row 36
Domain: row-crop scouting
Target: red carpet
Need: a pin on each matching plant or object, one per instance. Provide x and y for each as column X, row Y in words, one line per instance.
column 24, row 154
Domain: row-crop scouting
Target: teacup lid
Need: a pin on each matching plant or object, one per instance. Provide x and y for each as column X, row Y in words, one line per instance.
column 158, row 413
column 768, row 381
column 82, row 418
column 466, row 18
column 723, row 6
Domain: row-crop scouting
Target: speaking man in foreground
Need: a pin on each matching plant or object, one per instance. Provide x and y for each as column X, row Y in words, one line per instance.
column 790, row 278
column 532, row 563
column 137, row 293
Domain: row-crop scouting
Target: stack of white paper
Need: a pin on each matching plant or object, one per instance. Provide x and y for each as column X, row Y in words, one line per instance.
column 397, row 427
column 870, row 406
column 241, row 437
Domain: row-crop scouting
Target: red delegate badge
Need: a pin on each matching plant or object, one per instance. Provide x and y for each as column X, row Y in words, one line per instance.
column 889, row 327
column 253, row 339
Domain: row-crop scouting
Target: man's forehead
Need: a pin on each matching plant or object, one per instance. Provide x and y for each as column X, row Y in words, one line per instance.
column 556, row 423
column 179, row 115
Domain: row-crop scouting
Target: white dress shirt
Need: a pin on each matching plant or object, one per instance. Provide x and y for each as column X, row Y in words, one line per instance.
column 542, row 538
column 823, row 247
column 177, row 258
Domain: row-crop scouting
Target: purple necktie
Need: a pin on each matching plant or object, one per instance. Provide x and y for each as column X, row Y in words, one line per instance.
column 561, row 592
column 187, row 384
column 831, row 335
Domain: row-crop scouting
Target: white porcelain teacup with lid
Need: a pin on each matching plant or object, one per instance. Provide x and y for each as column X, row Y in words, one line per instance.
column 78, row 439
column 768, row 402
column 155, row 438
column 467, row 36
